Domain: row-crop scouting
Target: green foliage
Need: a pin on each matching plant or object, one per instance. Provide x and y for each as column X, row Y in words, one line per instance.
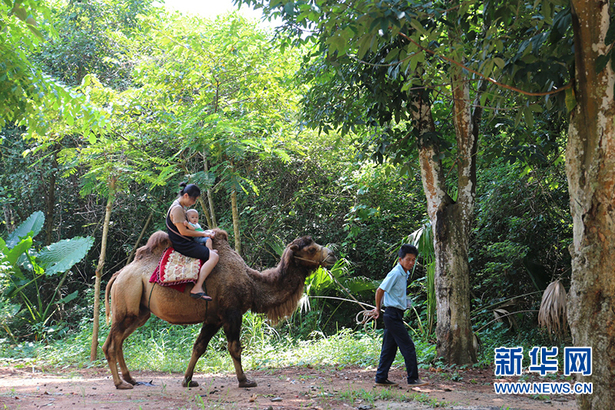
column 522, row 230
column 151, row 97
column 20, row 34
column 319, row 281
column 334, row 292
column 93, row 37
column 521, row 235
column 30, row 227
column 29, row 94
column 24, row 271
column 61, row 256
column 220, row 93
column 388, row 205
column 339, row 277
column 422, row 238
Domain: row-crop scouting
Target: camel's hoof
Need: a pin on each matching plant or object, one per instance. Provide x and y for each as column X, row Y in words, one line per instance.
column 124, row 386
column 190, row 383
column 247, row 383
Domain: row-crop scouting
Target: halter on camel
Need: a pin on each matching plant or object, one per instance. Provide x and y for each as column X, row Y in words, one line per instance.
column 320, row 263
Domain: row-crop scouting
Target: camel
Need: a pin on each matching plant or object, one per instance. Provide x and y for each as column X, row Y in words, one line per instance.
column 233, row 286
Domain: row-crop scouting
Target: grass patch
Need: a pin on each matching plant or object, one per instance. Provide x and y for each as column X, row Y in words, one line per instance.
column 371, row 396
column 158, row 346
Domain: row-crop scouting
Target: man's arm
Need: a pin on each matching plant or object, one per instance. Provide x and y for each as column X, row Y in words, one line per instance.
column 379, row 296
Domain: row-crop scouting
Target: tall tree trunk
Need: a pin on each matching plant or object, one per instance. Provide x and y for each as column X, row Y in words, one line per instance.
column 450, row 223
column 8, row 217
column 236, row 221
column 209, row 212
column 460, row 337
column 50, row 201
column 99, row 269
column 212, row 213
column 590, row 166
column 134, row 248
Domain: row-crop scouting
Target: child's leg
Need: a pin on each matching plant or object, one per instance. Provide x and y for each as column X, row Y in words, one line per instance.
column 202, row 240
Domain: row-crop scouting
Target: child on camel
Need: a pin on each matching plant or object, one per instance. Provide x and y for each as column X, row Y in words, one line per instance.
column 193, row 224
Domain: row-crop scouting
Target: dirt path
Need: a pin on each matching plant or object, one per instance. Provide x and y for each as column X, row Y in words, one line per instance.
column 288, row 388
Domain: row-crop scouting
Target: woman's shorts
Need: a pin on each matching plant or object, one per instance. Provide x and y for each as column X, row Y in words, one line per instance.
column 192, row 249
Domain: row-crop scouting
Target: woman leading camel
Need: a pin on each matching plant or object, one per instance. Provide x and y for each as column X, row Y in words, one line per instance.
column 180, row 237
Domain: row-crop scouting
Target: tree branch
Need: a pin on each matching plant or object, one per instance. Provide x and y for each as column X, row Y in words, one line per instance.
column 491, row 80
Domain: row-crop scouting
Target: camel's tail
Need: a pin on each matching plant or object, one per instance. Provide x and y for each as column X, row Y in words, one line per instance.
column 107, row 292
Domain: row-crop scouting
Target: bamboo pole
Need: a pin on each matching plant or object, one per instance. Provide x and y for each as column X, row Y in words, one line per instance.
column 236, row 221
column 99, row 269
column 134, row 248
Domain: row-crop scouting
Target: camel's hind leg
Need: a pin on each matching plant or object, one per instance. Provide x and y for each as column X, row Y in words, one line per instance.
column 200, row 345
column 113, row 347
column 232, row 329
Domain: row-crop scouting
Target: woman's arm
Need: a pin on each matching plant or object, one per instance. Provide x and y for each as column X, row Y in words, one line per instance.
column 181, row 228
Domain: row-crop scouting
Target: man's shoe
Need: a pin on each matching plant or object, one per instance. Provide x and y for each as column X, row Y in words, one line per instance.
column 386, row 383
column 417, row 383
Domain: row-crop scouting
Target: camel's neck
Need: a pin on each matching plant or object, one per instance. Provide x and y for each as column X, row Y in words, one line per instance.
column 278, row 292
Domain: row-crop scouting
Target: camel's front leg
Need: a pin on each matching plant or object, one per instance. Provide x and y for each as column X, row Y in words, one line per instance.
column 232, row 330
column 111, row 355
column 113, row 352
column 200, row 345
column 139, row 321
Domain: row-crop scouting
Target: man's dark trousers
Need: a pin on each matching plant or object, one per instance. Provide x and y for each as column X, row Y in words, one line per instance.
column 396, row 335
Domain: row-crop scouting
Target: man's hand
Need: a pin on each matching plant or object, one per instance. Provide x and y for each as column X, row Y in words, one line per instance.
column 379, row 296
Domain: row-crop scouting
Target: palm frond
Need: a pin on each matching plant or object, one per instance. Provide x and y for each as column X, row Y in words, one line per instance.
column 552, row 313
column 422, row 238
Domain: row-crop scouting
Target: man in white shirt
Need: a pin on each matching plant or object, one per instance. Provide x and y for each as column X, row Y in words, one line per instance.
column 391, row 295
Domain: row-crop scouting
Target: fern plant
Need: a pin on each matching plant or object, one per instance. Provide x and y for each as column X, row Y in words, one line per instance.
column 26, row 268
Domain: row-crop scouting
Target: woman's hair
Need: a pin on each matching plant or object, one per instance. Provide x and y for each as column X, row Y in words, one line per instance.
column 192, row 190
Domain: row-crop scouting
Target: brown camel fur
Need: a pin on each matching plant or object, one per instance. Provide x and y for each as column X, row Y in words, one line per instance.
column 234, row 287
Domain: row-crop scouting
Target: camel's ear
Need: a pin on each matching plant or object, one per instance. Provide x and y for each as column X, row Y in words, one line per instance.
column 300, row 243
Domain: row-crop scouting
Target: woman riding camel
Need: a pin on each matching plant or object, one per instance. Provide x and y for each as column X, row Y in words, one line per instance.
column 181, row 237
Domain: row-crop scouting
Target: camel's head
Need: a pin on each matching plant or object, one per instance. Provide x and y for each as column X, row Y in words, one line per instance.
column 311, row 255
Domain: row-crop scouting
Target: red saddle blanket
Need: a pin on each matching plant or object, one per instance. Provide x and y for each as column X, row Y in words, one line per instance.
column 176, row 270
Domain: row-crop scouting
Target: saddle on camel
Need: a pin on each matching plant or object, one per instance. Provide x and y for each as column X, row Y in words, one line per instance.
column 151, row 285
column 176, row 270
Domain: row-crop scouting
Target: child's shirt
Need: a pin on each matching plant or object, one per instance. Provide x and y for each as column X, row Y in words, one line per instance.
column 196, row 226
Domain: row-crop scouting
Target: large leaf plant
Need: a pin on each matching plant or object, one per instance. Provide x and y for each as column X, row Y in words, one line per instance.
column 24, row 268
